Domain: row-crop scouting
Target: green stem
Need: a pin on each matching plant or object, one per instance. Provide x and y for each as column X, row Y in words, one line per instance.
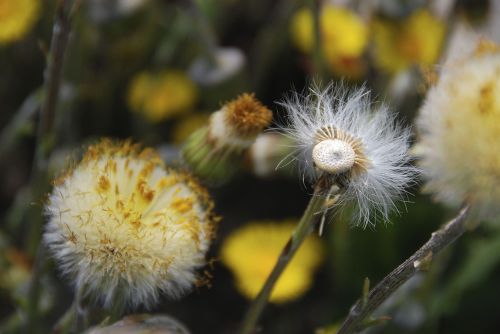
column 318, row 61
column 204, row 32
column 20, row 125
column 304, row 228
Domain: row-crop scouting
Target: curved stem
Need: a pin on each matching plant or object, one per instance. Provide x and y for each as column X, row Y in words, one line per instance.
column 420, row 260
column 304, row 228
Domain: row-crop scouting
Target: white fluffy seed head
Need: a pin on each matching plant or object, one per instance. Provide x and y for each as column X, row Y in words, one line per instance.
column 333, row 156
column 341, row 118
column 126, row 229
column 459, row 131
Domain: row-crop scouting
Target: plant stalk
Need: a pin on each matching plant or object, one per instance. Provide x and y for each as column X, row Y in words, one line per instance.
column 205, row 32
column 319, row 69
column 304, row 228
column 45, row 142
column 419, row 261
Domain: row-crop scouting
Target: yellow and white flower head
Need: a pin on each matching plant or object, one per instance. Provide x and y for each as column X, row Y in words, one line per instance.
column 337, row 134
column 215, row 152
column 459, row 128
column 125, row 228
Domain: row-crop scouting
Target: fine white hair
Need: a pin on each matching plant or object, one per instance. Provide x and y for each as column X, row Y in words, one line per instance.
column 384, row 143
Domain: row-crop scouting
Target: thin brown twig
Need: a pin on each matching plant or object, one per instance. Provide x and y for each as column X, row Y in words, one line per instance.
column 439, row 240
column 45, row 142
column 53, row 76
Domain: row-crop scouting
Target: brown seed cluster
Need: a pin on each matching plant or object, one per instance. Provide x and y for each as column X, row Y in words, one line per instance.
column 247, row 115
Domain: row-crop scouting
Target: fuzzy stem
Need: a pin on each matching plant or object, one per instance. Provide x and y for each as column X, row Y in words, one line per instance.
column 304, row 228
column 439, row 240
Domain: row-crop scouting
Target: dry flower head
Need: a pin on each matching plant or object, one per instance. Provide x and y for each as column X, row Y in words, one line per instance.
column 337, row 134
column 459, row 127
column 125, row 228
column 247, row 115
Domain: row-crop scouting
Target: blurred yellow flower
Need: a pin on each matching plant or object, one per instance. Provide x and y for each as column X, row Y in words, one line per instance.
column 344, row 37
column 344, row 33
column 414, row 41
column 187, row 125
column 162, row 95
column 350, row 67
column 17, row 18
column 15, row 268
column 251, row 252
column 330, row 329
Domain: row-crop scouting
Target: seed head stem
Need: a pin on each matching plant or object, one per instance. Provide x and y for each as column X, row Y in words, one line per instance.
column 305, row 227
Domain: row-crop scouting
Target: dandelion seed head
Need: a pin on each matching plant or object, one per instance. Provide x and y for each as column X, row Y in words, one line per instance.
column 333, row 156
column 459, row 128
column 337, row 133
column 125, row 228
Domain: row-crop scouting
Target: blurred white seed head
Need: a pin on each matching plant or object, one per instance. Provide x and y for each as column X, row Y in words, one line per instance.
column 228, row 63
column 459, row 133
column 125, row 229
column 266, row 152
column 336, row 133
